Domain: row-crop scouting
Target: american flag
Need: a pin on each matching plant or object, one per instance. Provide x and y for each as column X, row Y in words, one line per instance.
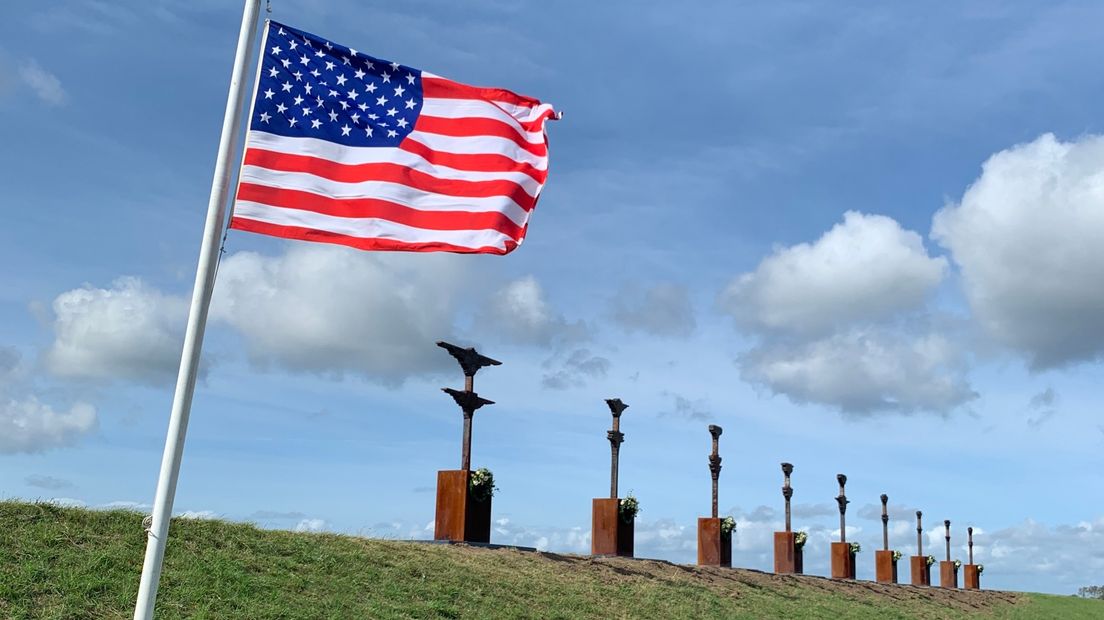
column 350, row 149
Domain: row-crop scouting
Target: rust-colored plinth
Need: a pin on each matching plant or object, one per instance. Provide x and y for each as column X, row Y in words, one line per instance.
column 843, row 561
column 885, row 569
column 610, row 534
column 948, row 575
column 460, row 517
column 972, row 577
column 787, row 557
column 921, row 572
column 714, row 548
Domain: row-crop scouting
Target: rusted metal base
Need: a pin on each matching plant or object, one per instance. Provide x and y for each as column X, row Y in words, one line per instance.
column 843, row 561
column 948, row 576
column 787, row 558
column 610, row 534
column 971, row 578
column 714, row 548
column 885, row 569
column 460, row 517
column 921, row 572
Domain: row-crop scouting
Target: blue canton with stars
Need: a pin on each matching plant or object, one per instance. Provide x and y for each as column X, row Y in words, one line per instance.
column 314, row 88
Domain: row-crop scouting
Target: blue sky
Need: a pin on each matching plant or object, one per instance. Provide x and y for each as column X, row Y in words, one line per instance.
column 863, row 239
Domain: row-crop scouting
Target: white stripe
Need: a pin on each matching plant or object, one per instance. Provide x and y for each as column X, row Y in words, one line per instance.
column 369, row 228
column 478, row 145
column 313, row 147
column 383, row 190
column 525, row 114
column 475, row 108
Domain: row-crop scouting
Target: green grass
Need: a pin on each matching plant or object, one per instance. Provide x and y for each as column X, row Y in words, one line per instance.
column 73, row 563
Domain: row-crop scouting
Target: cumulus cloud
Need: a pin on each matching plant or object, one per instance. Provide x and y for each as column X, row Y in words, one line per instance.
column 331, row 310
column 1028, row 237
column 844, row 322
column 520, row 313
column 865, row 268
column 128, row 331
column 864, row 370
column 310, row 525
column 663, row 309
column 28, row 425
column 45, row 85
column 574, row 370
column 1031, row 551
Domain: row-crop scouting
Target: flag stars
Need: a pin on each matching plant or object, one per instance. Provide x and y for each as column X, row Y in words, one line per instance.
column 402, row 123
column 391, row 133
column 344, row 104
column 392, row 112
column 399, row 90
column 381, row 100
column 370, row 87
column 410, row 78
column 341, row 79
column 281, row 108
column 346, row 129
column 265, row 116
column 276, row 50
column 298, row 76
column 292, row 121
column 334, row 93
column 352, row 94
column 298, row 100
column 303, row 60
column 395, row 66
column 286, row 87
column 292, row 45
column 330, row 66
column 410, row 103
column 320, row 54
column 333, row 115
column 268, row 93
column 306, row 111
column 363, row 106
column 272, row 72
column 315, row 124
column 386, row 77
column 368, row 131
column 359, row 74
column 307, row 88
column 355, row 117
column 316, row 72
column 286, row 63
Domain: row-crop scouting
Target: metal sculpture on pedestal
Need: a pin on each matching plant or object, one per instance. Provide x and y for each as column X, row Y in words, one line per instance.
column 843, row 561
column 972, row 575
column 460, row 516
column 948, row 572
column 885, row 567
column 714, row 544
column 611, row 532
column 921, row 572
column 788, row 551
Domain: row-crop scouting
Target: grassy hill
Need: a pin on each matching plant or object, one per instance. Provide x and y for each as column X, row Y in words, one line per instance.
column 74, row 563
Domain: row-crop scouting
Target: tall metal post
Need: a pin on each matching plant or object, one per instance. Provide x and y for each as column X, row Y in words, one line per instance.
column 842, row 500
column 615, row 437
column 970, row 542
column 787, row 490
column 470, row 362
column 885, row 522
column 947, row 524
column 919, row 531
column 715, row 462
column 164, row 496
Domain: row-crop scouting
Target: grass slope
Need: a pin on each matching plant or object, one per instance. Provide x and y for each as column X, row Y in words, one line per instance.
column 73, row 563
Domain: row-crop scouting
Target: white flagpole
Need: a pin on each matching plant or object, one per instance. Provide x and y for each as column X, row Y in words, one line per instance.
column 197, row 318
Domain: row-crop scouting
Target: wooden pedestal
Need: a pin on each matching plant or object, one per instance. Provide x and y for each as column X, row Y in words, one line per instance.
column 787, row 558
column 714, row 548
column 885, row 569
column 971, row 578
column 460, row 517
column 843, row 561
column 921, row 572
column 948, row 576
column 609, row 533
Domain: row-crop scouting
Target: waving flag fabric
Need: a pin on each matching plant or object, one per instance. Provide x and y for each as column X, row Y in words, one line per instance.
column 350, row 149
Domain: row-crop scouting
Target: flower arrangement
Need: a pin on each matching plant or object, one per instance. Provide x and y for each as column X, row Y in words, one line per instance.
column 728, row 525
column 855, row 548
column 957, row 564
column 981, row 568
column 800, row 538
column 481, row 484
column 930, row 560
column 628, row 508
column 897, row 555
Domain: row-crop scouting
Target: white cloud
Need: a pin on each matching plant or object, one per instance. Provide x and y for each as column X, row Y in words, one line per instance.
column 196, row 514
column 127, row 331
column 574, row 370
column 47, row 482
column 865, row 268
column 864, row 370
column 1028, row 236
column 310, row 525
column 663, row 309
column 44, row 84
column 331, row 310
column 519, row 313
column 26, row 425
column 844, row 322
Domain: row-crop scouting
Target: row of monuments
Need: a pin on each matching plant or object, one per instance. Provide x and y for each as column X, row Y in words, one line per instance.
column 464, row 508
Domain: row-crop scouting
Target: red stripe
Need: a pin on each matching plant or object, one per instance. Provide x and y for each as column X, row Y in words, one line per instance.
column 476, row 163
column 391, row 173
column 363, row 208
column 361, row 243
column 475, row 127
column 442, row 88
